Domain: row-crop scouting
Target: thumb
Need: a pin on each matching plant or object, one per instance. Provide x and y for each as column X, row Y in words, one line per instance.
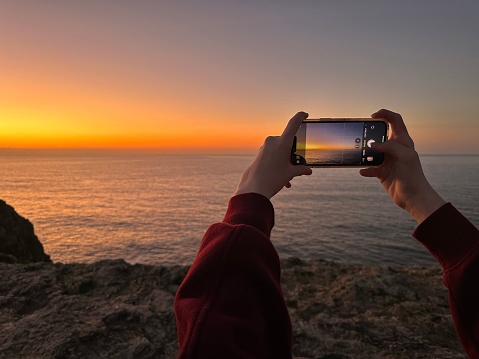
column 370, row 172
column 301, row 171
column 391, row 148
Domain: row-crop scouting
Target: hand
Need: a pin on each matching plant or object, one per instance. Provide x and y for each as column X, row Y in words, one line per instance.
column 272, row 169
column 401, row 172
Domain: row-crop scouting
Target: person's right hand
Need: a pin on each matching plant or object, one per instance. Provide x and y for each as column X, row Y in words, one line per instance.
column 401, row 172
column 272, row 169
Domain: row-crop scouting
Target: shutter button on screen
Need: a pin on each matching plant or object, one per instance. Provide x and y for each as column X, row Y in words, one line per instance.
column 370, row 142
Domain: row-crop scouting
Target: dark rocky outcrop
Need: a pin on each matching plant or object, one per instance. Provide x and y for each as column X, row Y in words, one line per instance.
column 18, row 242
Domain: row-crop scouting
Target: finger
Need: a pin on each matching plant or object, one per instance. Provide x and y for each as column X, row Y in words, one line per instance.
column 394, row 119
column 293, row 126
column 391, row 148
column 370, row 172
column 301, row 171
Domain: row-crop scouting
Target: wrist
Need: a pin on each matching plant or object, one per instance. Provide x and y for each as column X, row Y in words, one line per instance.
column 424, row 204
column 252, row 189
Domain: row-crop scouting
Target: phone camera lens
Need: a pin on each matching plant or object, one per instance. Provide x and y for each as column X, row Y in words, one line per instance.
column 358, row 140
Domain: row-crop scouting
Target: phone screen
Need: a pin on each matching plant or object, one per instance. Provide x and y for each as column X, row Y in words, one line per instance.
column 338, row 142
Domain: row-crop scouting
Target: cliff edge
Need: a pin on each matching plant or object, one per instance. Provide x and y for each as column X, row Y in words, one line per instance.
column 113, row 309
column 18, row 242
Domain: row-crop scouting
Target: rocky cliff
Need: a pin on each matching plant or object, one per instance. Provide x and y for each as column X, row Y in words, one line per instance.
column 112, row 309
column 18, row 242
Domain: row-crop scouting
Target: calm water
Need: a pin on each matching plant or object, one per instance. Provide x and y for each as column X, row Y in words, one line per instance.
column 154, row 208
column 344, row 156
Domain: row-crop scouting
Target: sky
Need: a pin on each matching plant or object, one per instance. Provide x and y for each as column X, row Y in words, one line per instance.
column 223, row 75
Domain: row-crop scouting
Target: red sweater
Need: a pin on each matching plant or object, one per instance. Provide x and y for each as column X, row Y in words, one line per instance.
column 230, row 304
column 454, row 241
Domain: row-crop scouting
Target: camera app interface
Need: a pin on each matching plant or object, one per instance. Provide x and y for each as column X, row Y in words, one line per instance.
column 339, row 143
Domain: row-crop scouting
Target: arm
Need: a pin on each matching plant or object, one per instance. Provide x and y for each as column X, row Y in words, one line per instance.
column 230, row 305
column 448, row 235
column 454, row 241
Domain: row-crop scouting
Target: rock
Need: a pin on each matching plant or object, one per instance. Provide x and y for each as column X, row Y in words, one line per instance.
column 112, row 309
column 18, row 242
column 108, row 309
column 349, row 311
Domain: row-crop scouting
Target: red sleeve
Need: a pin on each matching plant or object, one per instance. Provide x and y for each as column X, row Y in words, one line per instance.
column 230, row 305
column 454, row 241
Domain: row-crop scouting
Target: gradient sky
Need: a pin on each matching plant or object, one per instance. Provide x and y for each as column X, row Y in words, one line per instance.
column 226, row 74
column 332, row 136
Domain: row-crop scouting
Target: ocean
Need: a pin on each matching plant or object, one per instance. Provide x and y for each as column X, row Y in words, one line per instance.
column 148, row 207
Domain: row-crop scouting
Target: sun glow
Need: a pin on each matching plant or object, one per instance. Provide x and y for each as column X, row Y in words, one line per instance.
column 325, row 147
column 32, row 128
column 38, row 110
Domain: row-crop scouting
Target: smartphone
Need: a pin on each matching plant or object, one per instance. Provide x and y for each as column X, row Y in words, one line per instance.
column 339, row 142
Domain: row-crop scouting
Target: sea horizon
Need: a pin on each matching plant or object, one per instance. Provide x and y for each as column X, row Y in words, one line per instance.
column 155, row 209
column 173, row 150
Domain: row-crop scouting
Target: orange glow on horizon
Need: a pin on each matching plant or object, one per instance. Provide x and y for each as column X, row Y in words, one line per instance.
column 130, row 142
column 70, row 118
column 56, row 134
column 323, row 147
column 172, row 138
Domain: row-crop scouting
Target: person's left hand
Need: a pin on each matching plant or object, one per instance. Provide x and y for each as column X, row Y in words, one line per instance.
column 272, row 169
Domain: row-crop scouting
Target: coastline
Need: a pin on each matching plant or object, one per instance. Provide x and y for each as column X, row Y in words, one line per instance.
column 113, row 309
